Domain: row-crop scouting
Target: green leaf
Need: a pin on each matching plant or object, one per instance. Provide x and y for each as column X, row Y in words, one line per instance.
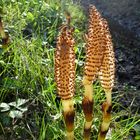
column 137, row 137
column 30, row 16
column 5, row 107
column 76, row 31
column 2, row 62
column 23, row 109
column 5, row 119
column 16, row 114
column 18, row 103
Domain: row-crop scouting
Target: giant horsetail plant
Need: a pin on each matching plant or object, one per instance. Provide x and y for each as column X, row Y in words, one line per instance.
column 65, row 74
column 99, row 64
column 4, row 35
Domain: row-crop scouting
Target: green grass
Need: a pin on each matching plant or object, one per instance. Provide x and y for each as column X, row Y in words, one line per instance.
column 27, row 72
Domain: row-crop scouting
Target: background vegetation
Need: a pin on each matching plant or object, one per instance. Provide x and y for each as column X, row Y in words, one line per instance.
column 29, row 106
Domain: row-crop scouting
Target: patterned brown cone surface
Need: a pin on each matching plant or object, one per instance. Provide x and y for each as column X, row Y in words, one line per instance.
column 107, row 69
column 94, row 57
column 99, row 51
column 65, row 75
column 99, row 60
column 106, row 76
column 65, row 64
column 94, row 48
